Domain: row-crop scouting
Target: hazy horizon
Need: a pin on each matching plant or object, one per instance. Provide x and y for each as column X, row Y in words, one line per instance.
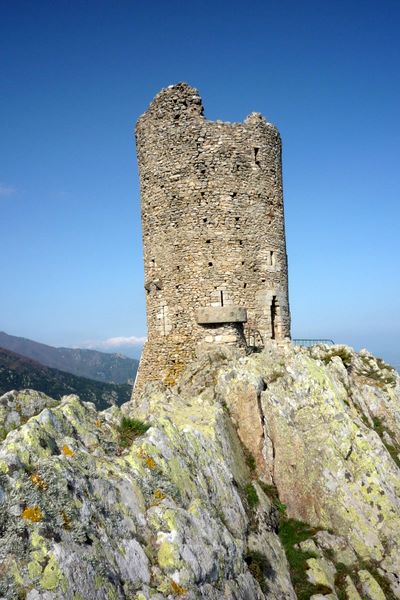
column 134, row 350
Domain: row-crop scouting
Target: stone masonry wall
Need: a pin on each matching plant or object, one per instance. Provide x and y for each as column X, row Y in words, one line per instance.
column 213, row 230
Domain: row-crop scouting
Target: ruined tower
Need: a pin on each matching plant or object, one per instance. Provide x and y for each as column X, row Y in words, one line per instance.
column 213, row 232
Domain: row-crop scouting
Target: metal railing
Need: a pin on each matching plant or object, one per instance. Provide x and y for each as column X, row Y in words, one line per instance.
column 310, row 342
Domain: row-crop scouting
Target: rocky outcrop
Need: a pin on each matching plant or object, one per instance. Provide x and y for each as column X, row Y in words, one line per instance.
column 89, row 510
column 268, row 476
column 330, row 445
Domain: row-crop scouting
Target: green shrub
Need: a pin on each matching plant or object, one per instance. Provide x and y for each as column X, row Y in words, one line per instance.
column 291, row 533
column 251, row 495
column 250, row 460
column 129, row 429
column 343, row 353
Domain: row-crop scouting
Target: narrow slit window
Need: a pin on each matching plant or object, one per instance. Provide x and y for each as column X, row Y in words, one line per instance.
column 222, row 297
column 257, row 162
column 273, row 316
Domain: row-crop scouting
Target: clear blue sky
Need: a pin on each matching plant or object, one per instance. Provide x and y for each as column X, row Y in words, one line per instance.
column 76, row 75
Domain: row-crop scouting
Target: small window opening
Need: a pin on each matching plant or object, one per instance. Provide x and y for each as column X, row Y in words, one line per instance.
column 205, row 220
column 222, row 297
column 233, row 194
column 210, row 264
column 178, row 268
column 241, row 242
column 244, row 285
column 255, row 156
column 262, row 280
column 242, row 262
column 153, row 261
column 208, row 241
column 237, row 219
column 272, row 257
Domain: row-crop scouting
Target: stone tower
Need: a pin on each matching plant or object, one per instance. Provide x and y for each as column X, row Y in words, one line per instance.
column 213, row 232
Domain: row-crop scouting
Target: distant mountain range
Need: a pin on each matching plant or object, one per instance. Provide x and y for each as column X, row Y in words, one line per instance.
column 100, row 366
column 18, row 372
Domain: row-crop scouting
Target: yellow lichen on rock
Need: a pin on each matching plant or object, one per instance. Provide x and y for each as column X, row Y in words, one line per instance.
column 38, row 481
column 178, row 589
column 52, row 577
column 33, row 514
column 168, row 556
column 370, row 586
column 67, row 451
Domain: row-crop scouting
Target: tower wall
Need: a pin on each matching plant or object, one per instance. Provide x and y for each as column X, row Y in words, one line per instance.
column 213, row 231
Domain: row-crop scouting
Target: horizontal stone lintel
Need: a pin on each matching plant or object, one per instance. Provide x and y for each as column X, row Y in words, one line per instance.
column 209, row 315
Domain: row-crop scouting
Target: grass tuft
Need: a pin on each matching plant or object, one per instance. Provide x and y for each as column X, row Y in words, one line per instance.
column 251, row 495
column 250, row 460
column 129, row 429
column 343, row 353
column 291, row 533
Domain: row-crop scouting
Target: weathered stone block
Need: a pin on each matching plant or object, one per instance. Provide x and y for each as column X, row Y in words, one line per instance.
column 221, row 314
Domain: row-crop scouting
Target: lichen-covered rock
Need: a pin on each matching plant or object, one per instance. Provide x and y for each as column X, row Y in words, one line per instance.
column 351, row 590
column 321, row 572
column 370, row 587
column 200, row 505
column 337, row 546
column 86, row 516
column 17, row 407
column 331, row 432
